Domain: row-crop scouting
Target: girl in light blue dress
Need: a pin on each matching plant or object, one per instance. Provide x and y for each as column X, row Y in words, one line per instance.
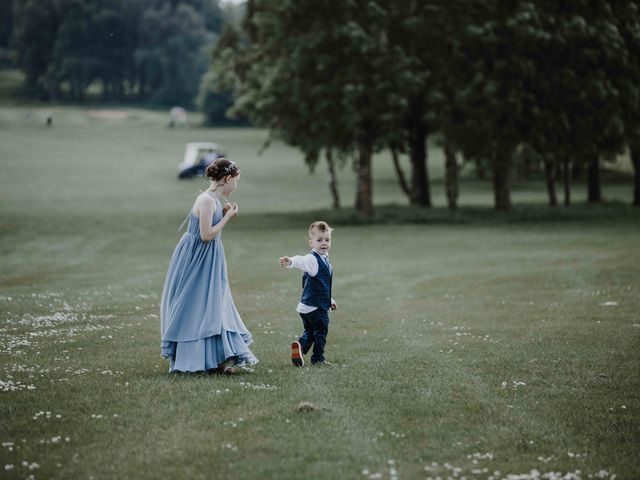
column 200, row 326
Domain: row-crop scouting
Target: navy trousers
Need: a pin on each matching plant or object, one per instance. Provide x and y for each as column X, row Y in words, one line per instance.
column 316, row 327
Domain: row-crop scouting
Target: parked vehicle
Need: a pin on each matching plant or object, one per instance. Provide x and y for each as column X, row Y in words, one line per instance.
column 197, row 157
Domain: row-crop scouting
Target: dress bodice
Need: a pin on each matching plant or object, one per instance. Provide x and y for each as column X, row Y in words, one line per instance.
column 194, row 220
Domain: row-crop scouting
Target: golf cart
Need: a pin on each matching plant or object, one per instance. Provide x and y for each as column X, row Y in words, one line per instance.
column 197, row 157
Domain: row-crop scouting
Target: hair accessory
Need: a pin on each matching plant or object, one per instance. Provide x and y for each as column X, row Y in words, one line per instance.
column 229, row 168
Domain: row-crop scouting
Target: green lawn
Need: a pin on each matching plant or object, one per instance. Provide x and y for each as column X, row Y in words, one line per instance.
column 476, row 345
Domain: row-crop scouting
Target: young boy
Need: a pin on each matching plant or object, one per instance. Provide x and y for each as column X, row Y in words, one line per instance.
column 316, row 300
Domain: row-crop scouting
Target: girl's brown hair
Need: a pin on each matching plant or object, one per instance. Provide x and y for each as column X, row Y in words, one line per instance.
column 220, row 168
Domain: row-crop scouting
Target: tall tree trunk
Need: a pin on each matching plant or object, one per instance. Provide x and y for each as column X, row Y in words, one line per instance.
column 594, row 194
column 550, row 177
column 419, row 173
column 576, row 171
column 119, row 88
column 566, row 180
column 527, row 165
column 53, row 87
column 501, row 188
column 364, row 193
column 31, row 80
column 480, row 170
column 142, row 84
column 635, row 160
column 451, row 176
column 333, row 182
column 106, row 92
column 399, row 172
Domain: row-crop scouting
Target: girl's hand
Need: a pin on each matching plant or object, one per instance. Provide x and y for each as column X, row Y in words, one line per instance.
column 285, row 261
column 230, row 210
column 334, row 306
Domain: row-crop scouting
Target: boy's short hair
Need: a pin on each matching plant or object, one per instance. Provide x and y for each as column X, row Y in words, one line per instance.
column 321, row 226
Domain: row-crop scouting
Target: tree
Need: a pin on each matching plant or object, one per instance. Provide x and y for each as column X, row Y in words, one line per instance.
column 414, row 36
column 92, row 43
column 170, row 54
column 627, row 18
column 564, row 105
column 115, row 25
column 153, row 49
column 449, row 78
column 215, row 95
column 577, row 119
column 6, row 22
column 6, row 32
column 493, row 94
column 210, row 10
column 36, row 23
column 315, row 74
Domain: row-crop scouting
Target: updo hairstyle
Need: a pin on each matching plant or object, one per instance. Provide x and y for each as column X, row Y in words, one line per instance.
column 220, row 168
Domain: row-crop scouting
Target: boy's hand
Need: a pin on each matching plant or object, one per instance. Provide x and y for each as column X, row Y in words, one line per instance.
column 334, row 306
column 285, row 261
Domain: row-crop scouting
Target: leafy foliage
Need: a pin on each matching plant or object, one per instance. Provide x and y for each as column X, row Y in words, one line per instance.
column 490, row 78
column 149, row 50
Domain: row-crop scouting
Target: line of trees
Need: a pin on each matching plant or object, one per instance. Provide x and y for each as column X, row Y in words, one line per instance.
column 150, row 51
column 488, row 79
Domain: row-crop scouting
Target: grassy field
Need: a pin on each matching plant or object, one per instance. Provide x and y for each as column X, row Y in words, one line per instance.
column 479, row 345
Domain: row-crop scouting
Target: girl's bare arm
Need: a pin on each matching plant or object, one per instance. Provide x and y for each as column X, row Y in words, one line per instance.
column 205, row 208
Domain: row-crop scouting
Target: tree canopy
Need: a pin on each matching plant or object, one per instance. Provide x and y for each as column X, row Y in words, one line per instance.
column 145, row 50
column 489, row 78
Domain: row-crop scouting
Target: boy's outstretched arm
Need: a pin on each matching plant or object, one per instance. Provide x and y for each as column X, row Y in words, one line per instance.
column 307, row 263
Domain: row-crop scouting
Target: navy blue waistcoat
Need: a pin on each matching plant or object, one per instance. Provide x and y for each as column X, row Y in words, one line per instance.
column 316, row 291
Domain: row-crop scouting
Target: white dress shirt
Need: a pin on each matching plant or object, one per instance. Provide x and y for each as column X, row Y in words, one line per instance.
column 308, row 264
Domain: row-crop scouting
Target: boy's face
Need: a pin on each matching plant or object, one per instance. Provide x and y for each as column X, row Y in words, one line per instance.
column 320, row 241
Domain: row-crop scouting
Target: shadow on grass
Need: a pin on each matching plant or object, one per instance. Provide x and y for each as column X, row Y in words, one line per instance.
column 604, row 213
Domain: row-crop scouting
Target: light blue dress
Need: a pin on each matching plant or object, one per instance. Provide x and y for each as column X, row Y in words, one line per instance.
column 200, row 325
